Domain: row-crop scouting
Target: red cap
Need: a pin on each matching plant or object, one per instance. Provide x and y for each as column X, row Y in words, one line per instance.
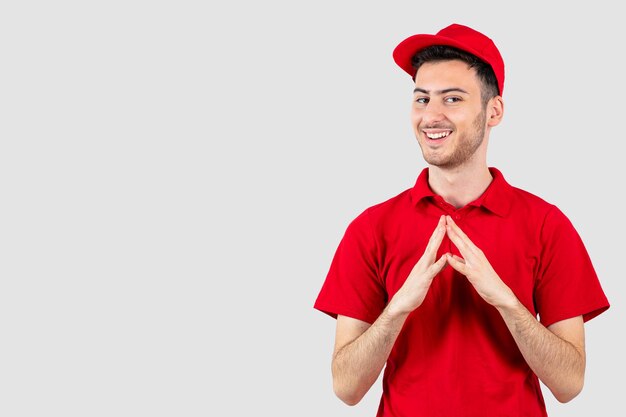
column 458, row 36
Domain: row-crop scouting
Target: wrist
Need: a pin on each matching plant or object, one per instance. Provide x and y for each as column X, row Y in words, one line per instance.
column 508, row 304
column 395, row 312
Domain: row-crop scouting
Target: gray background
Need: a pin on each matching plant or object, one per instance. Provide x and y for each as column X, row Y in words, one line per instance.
column 175, row 178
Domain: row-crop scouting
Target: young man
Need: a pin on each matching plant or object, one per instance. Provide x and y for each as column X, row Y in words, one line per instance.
column 444, row 282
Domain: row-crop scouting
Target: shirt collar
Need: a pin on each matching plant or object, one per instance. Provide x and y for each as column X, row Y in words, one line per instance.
column 496, row 197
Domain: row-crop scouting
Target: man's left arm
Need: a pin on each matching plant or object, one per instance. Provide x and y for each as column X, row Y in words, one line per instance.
column 557, row 353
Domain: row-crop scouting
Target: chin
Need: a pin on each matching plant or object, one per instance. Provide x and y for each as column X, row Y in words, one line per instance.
column 442, row 163
column 439, row 162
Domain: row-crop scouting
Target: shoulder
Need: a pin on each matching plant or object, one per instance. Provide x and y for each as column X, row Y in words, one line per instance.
column 386, row 209
column 527, row 199
column 537, row 212
column 380, row 216
column 530, row 205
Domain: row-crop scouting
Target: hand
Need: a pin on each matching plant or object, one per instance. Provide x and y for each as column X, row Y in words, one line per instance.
column 413, row 291
column 475, row 266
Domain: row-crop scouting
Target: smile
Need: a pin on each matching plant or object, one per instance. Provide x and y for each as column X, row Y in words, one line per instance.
column 437, row 135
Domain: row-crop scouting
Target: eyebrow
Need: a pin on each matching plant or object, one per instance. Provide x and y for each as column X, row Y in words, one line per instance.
column 444, row 91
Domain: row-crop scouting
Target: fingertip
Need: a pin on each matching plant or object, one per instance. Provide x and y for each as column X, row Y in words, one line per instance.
column 451, row 258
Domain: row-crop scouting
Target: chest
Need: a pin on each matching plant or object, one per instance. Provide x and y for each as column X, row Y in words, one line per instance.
column 511, row 248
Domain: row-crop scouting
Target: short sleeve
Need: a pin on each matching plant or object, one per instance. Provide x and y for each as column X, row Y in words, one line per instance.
column 352, row 286
column 567, row 284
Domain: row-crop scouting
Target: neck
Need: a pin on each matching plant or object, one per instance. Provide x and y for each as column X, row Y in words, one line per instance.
column 461, row 185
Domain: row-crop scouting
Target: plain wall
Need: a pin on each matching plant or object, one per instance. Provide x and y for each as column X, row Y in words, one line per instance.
column 175, row 178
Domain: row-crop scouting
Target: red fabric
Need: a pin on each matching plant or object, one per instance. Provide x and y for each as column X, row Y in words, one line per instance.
column 455, row 356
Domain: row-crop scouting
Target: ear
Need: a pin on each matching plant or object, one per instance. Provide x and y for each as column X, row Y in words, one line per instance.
column 495, row 111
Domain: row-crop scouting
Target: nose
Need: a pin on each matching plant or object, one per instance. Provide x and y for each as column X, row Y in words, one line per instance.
column 432, row 113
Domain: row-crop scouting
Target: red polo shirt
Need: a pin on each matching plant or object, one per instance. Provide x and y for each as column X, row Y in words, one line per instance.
column 455, row 357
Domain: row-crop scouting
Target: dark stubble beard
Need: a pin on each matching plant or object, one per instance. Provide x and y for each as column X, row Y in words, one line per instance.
column 466, row 145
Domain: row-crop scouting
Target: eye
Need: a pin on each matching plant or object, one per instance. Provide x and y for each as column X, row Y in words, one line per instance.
column 452, row 99
column 421, row 100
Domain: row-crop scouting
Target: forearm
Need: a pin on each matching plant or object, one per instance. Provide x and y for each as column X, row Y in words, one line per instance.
column 357, row 365
column 557, row 363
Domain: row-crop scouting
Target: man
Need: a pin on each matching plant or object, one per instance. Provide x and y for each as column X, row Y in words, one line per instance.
column 443, row 283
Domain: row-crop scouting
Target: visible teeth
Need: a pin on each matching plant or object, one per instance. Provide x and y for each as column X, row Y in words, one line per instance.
column 437, row 135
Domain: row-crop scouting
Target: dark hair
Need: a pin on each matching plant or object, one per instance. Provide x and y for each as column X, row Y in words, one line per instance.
column 483, row 70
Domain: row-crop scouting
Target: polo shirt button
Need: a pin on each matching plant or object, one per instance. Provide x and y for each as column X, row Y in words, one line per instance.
column 457, row 217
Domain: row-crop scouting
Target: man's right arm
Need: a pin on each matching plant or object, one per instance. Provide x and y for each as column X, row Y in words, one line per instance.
column 361, row 349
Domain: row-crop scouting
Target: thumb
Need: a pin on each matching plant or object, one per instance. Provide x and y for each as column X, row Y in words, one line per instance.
column 438, row 266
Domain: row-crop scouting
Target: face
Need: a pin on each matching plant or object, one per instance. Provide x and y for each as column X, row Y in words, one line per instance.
column 448, row 118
